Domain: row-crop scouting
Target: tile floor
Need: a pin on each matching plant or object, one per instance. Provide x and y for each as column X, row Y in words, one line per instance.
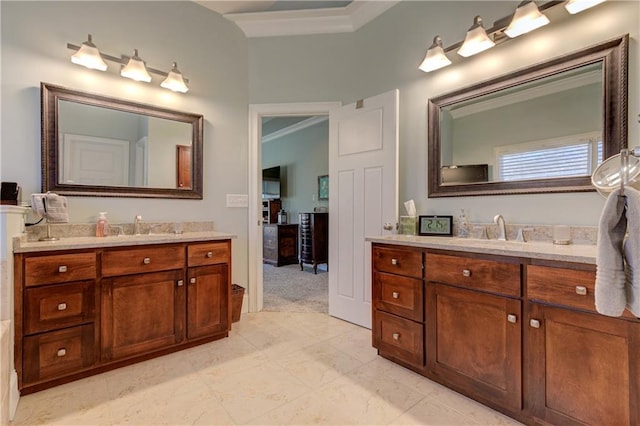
column 275, row 368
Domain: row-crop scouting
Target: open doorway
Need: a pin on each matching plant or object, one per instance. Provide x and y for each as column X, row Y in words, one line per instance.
column 295, row 165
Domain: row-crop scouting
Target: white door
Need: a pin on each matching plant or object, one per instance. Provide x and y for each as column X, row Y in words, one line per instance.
column 363, row 195
column 91, row 160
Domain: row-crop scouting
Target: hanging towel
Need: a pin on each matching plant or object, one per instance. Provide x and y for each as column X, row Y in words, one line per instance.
column 55, row 207
column 610, row 290
column 632, row 251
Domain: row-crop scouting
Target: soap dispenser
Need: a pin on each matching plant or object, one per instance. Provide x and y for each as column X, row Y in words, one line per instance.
column 463, row 225
column 101, row 225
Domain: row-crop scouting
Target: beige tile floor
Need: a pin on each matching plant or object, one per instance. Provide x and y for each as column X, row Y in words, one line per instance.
column 276, row 368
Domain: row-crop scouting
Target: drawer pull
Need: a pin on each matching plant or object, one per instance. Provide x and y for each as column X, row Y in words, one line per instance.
column 512, row 318
column 192, row 280
column 396, row 336
column 466, row 272
column 581, row 290
column 146, row 260
column 534, row 323
column 395, row 295
column 394, row 261
column 62, row 306
column 180, row 283
column 209, row 254
column 62, row 352
column 62, row 268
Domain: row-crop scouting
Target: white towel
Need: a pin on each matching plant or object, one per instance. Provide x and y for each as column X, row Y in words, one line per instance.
column 55, row 207
column 632, row 251
column 610, row 292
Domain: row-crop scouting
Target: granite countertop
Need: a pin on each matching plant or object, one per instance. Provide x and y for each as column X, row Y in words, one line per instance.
column 21, row 245
column 580, row 253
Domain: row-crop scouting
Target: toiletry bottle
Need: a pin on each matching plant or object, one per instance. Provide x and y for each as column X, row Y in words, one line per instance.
column 463, row 225
column 101, row 225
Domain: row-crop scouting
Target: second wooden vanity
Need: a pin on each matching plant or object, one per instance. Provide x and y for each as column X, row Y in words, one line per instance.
column 517, row 333
column 83, row 311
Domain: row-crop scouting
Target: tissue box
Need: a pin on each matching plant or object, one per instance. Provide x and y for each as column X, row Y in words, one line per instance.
column 408, row 225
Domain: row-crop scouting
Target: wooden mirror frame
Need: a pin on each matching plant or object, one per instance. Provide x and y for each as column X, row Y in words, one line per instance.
column 49, row 97
column 613, row 54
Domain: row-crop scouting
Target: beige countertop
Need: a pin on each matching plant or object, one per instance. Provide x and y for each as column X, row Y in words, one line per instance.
column 20, row 245
column 580, row 253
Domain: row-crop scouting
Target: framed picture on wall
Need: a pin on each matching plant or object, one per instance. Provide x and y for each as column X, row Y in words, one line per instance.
column 323, row 187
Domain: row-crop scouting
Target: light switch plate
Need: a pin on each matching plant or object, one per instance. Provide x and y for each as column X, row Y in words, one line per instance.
column 237, row 200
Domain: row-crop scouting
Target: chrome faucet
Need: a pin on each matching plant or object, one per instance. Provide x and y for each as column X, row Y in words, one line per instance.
column 137, row 224
column 502, row 228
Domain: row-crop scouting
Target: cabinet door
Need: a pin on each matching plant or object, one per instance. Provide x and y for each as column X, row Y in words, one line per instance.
column 474, row 343
column 582, row 368
column 208, row 301
column 141, row 313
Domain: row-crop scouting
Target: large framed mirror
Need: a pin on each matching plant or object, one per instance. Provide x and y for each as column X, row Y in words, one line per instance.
column 93, row 145
column 538, row 130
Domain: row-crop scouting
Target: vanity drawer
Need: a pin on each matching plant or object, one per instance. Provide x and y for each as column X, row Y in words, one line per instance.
column 398, row 261
column 399, row 337
column 480, row 274
column 561, row 286
column 56, row 353
column 208, row 253
column 59, row 268
column 398, row 295
column 58, row 306
column 142, row 260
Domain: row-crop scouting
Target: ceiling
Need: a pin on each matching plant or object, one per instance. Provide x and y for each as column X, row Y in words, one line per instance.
column 242, row 6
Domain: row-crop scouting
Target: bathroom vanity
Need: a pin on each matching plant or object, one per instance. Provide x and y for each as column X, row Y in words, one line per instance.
column 511, row 325
column 87, row 305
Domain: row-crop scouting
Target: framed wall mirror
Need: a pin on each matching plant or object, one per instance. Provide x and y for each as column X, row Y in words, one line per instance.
column 538, row 130
column 94, row 145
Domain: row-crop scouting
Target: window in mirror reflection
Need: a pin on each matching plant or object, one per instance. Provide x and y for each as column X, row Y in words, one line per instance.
column 107, row 147
column 549, row 127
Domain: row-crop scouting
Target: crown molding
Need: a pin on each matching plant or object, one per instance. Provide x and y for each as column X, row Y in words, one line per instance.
column 315, row 21
column 295, row 127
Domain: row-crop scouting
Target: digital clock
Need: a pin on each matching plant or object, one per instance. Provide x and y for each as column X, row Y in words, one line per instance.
column 435, row 226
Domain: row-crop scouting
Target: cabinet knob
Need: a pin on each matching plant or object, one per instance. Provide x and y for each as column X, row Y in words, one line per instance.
column 534, row 323
column 395, row 295
column 396, row 336
column 512, row 318
column 62, row 268
column 62, row 306
column 62, row 352
column 146, row 260
column 394, row 261
column 466, row 272
column 209, row 254
column 192, row 280
column 180, row 283
column 581, row 290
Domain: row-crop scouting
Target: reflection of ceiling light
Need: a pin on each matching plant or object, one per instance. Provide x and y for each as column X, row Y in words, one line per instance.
column 577, row 6
column 476, row 40
column 136, row 69
column 89, row 56
column 435, row 57
column 526, row 18
column 174, row 81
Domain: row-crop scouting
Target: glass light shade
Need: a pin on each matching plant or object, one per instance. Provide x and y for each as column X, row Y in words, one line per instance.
column 526, row 18
column 577, row 6
column 174, row 81
column 136, row 69
column 435, row 57
column 607, row 176
column 476, row 40
column 89, row 56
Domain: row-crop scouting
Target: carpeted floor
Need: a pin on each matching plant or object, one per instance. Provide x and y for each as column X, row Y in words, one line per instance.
column 288, row 289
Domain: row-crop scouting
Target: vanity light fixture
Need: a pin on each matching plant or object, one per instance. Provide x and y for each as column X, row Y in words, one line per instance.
column 136, row 69
column 435, row 57
column 174, row 81
column 526, row 19
column 88, row 56
column 577, row 6
column 132, row 67
column 476, row 40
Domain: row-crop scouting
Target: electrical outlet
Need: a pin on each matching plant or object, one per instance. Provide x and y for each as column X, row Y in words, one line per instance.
column 237, row 200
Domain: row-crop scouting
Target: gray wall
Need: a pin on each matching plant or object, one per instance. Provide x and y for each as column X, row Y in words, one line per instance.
column 303, row 156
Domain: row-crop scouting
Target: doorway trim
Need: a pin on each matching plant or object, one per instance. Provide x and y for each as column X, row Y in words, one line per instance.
column 256, row 113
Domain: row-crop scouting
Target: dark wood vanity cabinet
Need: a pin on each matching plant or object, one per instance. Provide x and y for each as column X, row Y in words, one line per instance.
column 314, row 239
